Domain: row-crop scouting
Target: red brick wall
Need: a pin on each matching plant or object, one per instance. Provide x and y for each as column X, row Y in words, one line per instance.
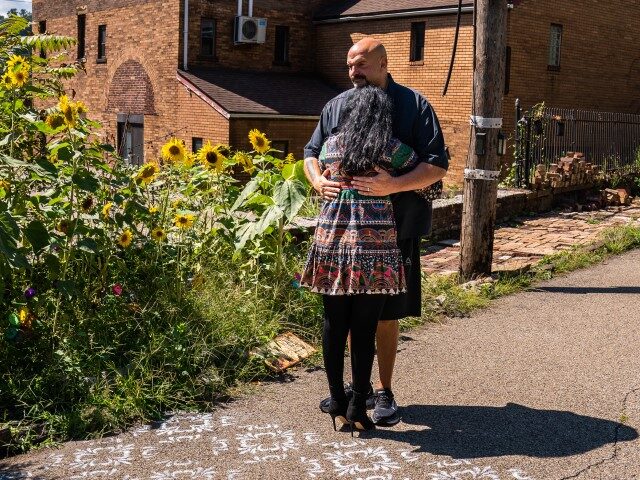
column 142, row 47
column 295, row 14
column 428, row 77
column 196, row 118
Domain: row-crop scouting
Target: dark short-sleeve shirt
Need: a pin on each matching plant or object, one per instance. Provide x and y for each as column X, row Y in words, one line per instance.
column 415, row 124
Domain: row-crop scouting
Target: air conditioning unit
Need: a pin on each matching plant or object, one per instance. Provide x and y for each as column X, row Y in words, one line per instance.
column 250, row 30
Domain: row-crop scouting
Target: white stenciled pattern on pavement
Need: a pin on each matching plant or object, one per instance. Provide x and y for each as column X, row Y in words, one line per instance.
column 233, row 450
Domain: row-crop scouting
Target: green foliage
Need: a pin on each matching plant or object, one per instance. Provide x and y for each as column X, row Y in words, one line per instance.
column 124, row 291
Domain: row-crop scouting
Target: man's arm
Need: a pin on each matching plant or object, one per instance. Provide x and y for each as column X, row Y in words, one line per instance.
column 384, row 184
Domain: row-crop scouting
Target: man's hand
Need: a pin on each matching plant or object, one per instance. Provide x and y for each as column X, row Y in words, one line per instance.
column 327, row 189
column 379, row 186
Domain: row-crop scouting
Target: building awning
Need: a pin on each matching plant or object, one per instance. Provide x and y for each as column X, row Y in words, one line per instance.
column 371, row 9
column 238, row 94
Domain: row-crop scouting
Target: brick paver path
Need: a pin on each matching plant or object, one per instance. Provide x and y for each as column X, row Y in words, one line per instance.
column 525, row 244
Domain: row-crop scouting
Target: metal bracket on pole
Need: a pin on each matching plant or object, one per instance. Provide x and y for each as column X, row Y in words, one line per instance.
column 478, row 174
column 481, row 122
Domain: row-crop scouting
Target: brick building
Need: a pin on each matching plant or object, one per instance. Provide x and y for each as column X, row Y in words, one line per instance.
column 144, row 89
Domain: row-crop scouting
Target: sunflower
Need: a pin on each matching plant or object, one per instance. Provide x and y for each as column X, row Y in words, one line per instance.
column 19, row 77
column 212, row 157
column 106, row 209
column 189, row 159
column 17, row 61
column 125, row 238
column 183, row 220
column 81, row 108
column 246, row 162
column 147, row 173
column 6, row 81
column 63, row 226
column 158, row 234
column 88, row 204
column 69, row 111
column 259, row 141
column 54, row 120
column 153, row 209
column 174, row 151
column 290, row 158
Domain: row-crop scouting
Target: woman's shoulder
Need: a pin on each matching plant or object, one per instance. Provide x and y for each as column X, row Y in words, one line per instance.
column 401, row 154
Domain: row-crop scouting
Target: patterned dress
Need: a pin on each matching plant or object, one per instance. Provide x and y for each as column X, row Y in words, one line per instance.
column 355, row 247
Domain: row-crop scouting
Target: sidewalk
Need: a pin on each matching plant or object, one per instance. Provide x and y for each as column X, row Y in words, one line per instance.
column 543, row 385
column 516, row 247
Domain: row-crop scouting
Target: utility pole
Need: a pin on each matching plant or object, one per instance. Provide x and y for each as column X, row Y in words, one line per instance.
column 481, row 175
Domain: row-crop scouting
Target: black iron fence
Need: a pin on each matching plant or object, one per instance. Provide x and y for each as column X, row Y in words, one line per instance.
column 545, row 134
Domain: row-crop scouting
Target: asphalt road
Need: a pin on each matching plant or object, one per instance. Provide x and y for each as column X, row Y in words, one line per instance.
column 543, row 385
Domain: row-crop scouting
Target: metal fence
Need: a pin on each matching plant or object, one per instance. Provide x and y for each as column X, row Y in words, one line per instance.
column 609, row 140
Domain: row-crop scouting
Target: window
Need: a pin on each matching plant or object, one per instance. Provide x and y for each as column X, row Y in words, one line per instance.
column 281, row 52
column 82, row 25
column 208, row 37
column 196, row 144
column 417, row 42
column 42, row 28
column 102, row 43
column 555, row 43
column 283, row 146
column 130, row 139
column 507, row 71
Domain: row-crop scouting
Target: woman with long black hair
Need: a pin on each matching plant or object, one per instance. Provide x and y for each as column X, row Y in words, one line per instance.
column 354, row 261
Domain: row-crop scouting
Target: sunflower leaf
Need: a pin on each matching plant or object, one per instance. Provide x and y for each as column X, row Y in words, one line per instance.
column 249, row 189
column 289, row 196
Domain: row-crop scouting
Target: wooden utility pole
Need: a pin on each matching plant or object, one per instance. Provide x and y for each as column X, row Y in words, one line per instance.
column 481, row 177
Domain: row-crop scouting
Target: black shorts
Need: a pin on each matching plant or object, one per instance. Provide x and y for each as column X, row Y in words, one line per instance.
column 407, row 304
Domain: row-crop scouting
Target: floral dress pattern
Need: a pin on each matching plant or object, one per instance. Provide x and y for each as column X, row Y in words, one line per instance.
column 355, row 248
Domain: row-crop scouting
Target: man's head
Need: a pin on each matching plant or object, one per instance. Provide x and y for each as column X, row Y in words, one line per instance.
column 367, row 62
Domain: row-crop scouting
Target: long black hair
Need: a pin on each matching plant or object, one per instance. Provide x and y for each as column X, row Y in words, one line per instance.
column 365, row 129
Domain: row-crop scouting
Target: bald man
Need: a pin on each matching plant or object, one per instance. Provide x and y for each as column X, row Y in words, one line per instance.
column 415, row 124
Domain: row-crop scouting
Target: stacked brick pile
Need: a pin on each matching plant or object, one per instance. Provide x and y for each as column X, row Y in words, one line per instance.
column 570, row 170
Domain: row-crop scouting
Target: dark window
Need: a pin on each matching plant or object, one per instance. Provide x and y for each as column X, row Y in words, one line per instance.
column 208, row 37
column 555, row 44
column 507, row 71
column 417, row 42
column 42, row 28
column 131, row 142
column 196, row 144
column 102, row 43
column 281, row 55
column 82, row 25
column 283, row 146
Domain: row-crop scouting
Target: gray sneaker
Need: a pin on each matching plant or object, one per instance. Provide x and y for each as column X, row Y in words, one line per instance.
column 385, row 412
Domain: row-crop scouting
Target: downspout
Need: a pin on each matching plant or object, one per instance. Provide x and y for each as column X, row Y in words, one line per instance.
column 240, row 8
column 185, row 39
column 251, row 8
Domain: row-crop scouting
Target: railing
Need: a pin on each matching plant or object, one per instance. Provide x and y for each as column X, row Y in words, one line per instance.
column 543, row 135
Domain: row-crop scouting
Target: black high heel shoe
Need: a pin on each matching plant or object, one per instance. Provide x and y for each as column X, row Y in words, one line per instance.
column 337, row 409
column 357, row 413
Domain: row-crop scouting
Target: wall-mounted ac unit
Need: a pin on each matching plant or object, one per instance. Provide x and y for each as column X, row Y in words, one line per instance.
column 250, row 30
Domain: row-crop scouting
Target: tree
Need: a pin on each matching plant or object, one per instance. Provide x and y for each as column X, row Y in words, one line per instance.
column 26, row 14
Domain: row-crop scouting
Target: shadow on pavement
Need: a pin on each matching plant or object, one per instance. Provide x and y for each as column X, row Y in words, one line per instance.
column 482, row 431
column 585, row 290
column 17, row 472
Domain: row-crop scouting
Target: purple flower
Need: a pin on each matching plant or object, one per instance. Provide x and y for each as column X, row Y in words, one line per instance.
column 297, row 276
column 29, row 293
column 117, row 289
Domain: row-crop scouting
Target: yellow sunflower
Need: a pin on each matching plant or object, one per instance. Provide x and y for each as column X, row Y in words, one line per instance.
column 106, row 209
column 158, row 234
column 259, row 141
column 147, row 173
column 18, row 77
column 81, row 108
column 189, row 159
column 69, row 111
column 246, row 161
column 17, row 61
column 212, row 157
column 125, row 238
column 174, row 151
column 153, row 209
column 88, row 204
column 183, row 220
column 55, row 120
column 290, row 158
column 6, row 81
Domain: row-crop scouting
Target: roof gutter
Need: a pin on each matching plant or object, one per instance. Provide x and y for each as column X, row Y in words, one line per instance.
column 275, row 116
column 380, row 16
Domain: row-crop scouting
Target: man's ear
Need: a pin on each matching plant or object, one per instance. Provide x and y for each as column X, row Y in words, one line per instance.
column 383, row 61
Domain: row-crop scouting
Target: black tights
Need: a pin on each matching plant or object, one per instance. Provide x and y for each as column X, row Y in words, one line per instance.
column 358, row 314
